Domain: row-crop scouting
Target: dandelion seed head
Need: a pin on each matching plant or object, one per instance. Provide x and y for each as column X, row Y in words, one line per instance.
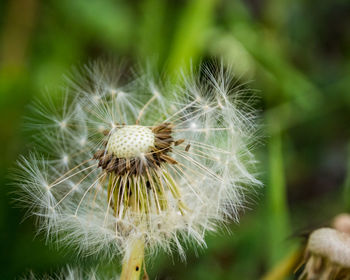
column 96, row 98
column 82, row 141
column 63, row 124
column 193, row 125
column 113, row 92
column 65, row 159
column 140, row 159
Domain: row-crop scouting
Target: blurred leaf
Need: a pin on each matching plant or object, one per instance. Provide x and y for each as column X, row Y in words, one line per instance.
column 110, row 21
column 191, row 34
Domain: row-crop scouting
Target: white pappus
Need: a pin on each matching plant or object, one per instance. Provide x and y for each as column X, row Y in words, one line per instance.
column 122, row 159
column 69, row 273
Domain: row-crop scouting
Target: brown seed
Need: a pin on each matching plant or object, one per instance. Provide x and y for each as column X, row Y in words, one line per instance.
column 168, row 159
column 105, row 160
column 138, row 168
column 112, row 165
column 121, row 166
column 99, row 154
column 160, row 145
column 163, row 135
column 127, row 164
column 179, row 142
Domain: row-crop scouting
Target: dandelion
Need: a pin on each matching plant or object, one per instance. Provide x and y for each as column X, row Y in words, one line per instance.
column 128, row 166
column 327, row 255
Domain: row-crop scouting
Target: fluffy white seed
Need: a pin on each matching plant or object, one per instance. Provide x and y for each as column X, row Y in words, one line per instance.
column 131, row 141
column 68, row 273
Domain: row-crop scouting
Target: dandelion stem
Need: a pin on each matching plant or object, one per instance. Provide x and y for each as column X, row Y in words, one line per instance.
column 285, row 267
column 133, row 261
column 277, row 201
column 132, row 264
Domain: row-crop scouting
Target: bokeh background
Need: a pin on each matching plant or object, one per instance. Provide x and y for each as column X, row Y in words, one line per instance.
column 295, row 53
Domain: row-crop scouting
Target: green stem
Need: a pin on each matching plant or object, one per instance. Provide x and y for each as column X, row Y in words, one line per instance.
column 285, row 267
column 132, row 264
column 277, row 200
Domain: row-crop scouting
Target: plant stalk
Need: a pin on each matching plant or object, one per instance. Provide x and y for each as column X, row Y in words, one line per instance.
column 132, row 264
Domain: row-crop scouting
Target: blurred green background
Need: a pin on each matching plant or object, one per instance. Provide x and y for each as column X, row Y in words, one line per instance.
column 296, row 53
